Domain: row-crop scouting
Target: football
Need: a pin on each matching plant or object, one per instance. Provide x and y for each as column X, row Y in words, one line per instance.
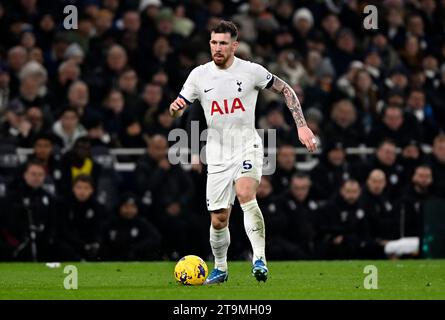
column 191, row 271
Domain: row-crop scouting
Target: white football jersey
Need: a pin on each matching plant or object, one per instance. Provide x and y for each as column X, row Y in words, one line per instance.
column 229, row 98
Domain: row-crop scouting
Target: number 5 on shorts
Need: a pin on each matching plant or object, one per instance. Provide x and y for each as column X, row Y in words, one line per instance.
column 247, row 165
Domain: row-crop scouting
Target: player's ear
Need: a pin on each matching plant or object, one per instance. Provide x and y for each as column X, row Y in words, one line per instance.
column 235, row 45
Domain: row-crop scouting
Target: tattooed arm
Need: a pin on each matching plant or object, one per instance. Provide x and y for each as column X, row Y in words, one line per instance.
column 290, row 97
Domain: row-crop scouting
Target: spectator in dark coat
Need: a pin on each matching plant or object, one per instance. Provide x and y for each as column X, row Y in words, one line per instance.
column 29, row 215
column 44, row 152
column 278, row 244
column 303, row 218
column 127, row 236
column 332, row 170
column 423, row 112
column 385, row 159
column 410, row 206
column 344, row 125
column 172, row 191
column 380, row 212
column 437, row 163
column 286, row 167
column 396, row 125
column 79, row 222
column 76, row 162
column 344, row 226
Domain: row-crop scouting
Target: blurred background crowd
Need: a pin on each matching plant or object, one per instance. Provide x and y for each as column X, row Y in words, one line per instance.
column 70, row 97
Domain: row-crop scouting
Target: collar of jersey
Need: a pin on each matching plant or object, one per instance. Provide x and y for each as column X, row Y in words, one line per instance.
column 235, row 61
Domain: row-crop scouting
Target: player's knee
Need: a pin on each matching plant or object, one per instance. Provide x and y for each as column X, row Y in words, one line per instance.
column 219, row 220
column 245, row 195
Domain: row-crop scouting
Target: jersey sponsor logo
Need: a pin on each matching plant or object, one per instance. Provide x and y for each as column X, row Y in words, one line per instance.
column 207, row 90
column 224, row 107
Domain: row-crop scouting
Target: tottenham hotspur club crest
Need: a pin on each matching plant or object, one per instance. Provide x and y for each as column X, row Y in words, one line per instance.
column 239, row 83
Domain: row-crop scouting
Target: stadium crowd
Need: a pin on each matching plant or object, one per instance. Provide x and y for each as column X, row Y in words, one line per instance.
column 72, row 95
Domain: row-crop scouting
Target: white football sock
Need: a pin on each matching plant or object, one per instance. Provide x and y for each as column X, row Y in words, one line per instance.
column 220, row 241
column 255, row 229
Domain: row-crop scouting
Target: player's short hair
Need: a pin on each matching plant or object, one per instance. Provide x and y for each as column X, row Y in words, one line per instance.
column 225, row 26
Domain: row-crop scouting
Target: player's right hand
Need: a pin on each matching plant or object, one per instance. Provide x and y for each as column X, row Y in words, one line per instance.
column 176, row 106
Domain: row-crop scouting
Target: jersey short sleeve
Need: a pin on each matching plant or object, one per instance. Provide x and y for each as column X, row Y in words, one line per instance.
column 189, row 91
column 262, row 77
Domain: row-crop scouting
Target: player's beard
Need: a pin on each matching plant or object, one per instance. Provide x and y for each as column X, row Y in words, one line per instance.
column 222, row 60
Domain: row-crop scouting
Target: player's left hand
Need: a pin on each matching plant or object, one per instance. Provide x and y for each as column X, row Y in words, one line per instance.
column 307, row 138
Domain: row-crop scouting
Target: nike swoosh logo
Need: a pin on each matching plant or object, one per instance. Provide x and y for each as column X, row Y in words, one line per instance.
column 207, row 90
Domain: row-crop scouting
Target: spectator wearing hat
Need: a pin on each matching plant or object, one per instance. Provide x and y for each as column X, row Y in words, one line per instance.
column 302, row 23
column 321, row 93
column 331, row 171
column 129, row 237
column 80, row 222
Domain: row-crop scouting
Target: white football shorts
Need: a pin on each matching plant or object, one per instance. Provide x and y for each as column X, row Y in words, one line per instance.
column 221, row 185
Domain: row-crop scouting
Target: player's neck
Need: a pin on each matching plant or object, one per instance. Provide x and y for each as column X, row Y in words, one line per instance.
column 228, row 64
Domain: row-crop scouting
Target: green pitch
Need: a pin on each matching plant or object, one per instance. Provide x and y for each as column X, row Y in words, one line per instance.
column 403, row 279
